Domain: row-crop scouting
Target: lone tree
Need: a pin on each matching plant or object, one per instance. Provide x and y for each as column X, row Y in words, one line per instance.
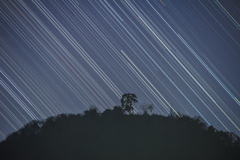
column 127, row 101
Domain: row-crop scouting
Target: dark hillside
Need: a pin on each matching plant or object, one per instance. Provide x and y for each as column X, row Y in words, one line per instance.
column 119, row 134
column 114, row 135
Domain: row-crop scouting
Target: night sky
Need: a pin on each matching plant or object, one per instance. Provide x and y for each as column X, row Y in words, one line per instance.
column 64, row 56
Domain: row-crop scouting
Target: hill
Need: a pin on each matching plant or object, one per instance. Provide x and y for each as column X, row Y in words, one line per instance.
column 115, row 135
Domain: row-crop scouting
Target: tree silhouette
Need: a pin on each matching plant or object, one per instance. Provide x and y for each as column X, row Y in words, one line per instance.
column 146, row 108
column 92, row 112
column 31, row 128
column 172, row 114
column 118, row 110
column 127, row 101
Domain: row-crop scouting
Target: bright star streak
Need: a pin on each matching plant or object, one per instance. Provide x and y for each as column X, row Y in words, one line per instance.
column 64, row 56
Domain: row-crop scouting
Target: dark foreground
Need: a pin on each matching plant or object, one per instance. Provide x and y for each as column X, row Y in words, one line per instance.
column 113, row 135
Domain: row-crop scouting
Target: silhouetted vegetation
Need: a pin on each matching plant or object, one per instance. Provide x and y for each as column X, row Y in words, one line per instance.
column 115, row 135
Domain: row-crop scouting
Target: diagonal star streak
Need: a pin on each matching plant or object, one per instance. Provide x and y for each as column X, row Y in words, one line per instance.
column 64, row 56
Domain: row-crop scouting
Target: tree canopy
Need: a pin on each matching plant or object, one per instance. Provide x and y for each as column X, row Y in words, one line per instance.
column 127, row 101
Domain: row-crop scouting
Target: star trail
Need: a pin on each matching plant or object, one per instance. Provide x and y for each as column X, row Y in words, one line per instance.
column 64, row 56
